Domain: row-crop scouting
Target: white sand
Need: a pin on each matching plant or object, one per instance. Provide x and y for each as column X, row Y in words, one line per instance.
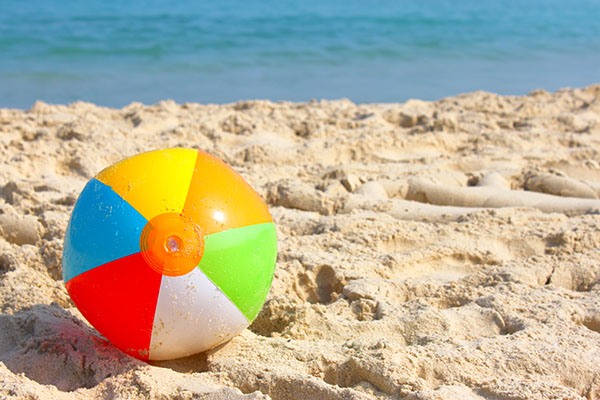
column 434, row 250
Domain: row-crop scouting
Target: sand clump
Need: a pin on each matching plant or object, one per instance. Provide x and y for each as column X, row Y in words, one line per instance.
column 427, row 250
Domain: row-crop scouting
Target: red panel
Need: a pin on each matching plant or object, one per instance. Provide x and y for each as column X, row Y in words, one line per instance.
column 119, row 300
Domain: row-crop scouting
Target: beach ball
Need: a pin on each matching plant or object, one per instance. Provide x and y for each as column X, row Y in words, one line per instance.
column 169, row 253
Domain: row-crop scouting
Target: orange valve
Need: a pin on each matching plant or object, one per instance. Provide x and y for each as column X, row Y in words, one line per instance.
column 172, row 244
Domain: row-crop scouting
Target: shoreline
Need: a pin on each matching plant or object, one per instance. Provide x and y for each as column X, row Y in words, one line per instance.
column 533, row 92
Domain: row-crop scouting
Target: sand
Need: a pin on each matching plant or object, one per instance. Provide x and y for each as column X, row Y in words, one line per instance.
column 427, row 250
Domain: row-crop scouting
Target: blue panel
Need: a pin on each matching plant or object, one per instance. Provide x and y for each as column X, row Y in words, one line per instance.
column 103, row 228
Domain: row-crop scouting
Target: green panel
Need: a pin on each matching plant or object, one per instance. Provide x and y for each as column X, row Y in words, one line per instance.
column 241, row 262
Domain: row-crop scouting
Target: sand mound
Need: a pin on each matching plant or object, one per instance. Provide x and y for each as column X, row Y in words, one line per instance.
column 443, row 250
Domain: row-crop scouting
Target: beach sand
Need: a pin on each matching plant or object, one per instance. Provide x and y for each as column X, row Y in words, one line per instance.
column 433, row 250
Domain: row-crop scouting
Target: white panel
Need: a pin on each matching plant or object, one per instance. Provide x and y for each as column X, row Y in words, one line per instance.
column 192, row 315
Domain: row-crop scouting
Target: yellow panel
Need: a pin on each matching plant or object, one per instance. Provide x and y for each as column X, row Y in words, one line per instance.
column 155, row 182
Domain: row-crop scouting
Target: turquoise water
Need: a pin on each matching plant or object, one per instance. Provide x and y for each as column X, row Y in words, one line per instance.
column 113, row 53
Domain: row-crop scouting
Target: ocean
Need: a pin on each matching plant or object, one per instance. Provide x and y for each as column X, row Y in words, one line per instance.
column 113, row 53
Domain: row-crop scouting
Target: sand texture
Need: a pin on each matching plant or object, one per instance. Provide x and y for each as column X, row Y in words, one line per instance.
column 427, row 250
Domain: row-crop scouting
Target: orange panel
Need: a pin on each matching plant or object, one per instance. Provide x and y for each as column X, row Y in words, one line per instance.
column 219, row 198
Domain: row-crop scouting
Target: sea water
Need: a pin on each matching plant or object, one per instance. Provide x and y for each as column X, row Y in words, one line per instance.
column 112, row 53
